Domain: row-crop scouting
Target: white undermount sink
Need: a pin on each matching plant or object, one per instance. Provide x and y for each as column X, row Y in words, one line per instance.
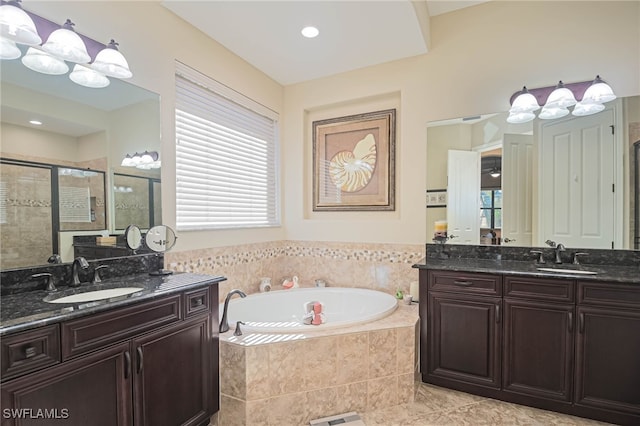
column 567, row 271
column 91, row 296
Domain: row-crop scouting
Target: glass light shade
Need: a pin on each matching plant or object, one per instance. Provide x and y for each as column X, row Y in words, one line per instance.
column 598, row 93
column 524, row 102
column 520, row 117
column 109, row 61
column 146, row 158
column 495, row 173
column 42, row 62
column 16, row 25
column 587, row 109
column 66, row 44
column 561, row 97
column 88, row 78
column 127, row 161
column 549, row 113
column 8, row 49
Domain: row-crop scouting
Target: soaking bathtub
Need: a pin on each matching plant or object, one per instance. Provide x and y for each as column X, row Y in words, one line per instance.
column 282, row 311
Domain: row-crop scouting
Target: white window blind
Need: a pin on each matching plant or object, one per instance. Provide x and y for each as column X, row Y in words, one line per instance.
column 226, row 156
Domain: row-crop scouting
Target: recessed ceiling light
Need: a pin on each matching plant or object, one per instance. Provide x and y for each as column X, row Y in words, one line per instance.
column 310, row 32
column 35, row 122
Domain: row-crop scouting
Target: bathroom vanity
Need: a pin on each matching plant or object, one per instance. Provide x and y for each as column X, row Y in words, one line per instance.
column 148, row 358
column 566, row 340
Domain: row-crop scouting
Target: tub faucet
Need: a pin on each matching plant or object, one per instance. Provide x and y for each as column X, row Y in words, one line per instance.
column 78, row 262
column 224, row 324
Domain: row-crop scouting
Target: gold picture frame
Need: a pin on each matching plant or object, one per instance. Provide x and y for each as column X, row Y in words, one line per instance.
column 354, row 162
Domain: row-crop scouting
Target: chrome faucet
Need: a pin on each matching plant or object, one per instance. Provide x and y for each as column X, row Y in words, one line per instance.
column 559, row 248
column 78, row 262
column 224, row 324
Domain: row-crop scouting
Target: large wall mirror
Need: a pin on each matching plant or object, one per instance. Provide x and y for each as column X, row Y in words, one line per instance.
column 572, row 180
column 61, row 174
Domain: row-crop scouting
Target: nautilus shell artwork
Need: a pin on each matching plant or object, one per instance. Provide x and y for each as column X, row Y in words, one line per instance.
column 352, row 170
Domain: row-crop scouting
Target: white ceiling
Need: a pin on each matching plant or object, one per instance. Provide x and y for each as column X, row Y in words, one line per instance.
column 353, row 34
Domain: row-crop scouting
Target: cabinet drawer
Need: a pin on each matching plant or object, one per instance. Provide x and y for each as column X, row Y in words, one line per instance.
column 95, row 331
column 540, row 289
column 196, row 302
column 465, row 282
column 30, row 351
column 609, row 294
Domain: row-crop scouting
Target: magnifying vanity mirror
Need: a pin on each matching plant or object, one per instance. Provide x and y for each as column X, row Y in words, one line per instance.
column 573, row 180
column 160, row 239
column 133, row 237
column 62, row 149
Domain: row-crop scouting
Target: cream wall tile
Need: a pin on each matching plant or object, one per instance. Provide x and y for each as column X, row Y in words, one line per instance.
column 352, row 397
column 321, row 403
column 232, row 370
column 320, row 362
column 406, row 349
column 257, row 372
column 258, row 412
column 382, row 353
column 286, row 368
column 382, row 392
column 353, row 357
column 288, row 410
column 406, row 388
column 232, row 412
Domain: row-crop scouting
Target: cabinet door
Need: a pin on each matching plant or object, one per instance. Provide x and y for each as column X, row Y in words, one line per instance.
column 172, row 375
column 538, row 349
column 608, row 359
column 464, row 338
column 93, row 390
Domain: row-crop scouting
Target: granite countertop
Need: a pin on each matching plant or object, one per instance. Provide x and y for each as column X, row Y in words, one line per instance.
column 28, row 310
column 609, row 273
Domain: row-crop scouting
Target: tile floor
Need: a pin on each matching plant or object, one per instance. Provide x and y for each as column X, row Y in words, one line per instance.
column 444, row 407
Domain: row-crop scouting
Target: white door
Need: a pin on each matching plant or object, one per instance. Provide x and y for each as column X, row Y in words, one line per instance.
column 463, row 197
column 517, row 189
column 576, row 198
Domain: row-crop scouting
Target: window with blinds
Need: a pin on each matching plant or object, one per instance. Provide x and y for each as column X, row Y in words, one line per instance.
column 226, row 157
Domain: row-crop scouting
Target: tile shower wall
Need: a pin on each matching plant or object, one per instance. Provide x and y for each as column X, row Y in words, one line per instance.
column 384, row 267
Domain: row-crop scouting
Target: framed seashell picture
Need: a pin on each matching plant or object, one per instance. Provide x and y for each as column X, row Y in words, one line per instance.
column 354, row 162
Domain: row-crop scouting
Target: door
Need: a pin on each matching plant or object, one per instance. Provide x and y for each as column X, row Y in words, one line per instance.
column 538, row 349
column 172, row 382
column 517, row 189
column 463, row 196
column 464, row 338
column 607, row 359
column 576, row 178
column 69, row 394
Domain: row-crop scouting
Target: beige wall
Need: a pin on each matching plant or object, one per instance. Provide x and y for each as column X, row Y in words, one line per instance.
column 479, row 56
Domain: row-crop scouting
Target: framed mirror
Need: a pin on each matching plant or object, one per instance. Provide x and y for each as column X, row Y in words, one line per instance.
column 51, row 121
column 570, row 180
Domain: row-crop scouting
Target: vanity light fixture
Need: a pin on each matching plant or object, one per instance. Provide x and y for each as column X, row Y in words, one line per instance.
column 556, row 100
column 8, row 49
column 146, row 160
column 88, row 77
column 16, row 25
column 66, row 44
column 310, row 32
column 62, row 44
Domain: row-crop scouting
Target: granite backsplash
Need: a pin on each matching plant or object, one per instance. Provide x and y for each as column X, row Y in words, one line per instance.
column 13, row 281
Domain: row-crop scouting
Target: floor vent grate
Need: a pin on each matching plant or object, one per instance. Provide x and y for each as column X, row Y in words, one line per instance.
column 348, row 419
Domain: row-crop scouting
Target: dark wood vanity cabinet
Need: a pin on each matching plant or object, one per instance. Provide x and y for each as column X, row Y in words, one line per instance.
column 139, row 374
column 608, row 347
column 464, row 338
column 559, row 344
column 539, row 328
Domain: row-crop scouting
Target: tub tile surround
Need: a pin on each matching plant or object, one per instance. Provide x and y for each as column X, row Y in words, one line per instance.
column 384, row 267
column 318, row 373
